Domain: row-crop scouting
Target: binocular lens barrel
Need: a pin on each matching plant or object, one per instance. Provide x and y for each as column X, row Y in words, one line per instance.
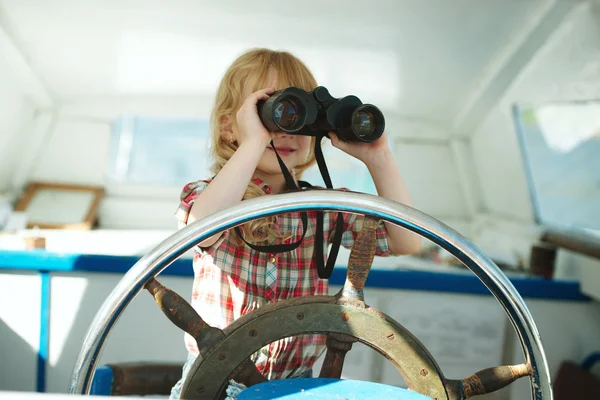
column 286, row 113
column 282, row 113
column 367, row 123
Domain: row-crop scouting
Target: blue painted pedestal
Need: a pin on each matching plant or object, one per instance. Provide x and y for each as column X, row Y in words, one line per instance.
column 326, row 389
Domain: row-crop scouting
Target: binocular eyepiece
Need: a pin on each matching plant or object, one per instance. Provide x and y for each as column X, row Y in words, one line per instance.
column 315, row 113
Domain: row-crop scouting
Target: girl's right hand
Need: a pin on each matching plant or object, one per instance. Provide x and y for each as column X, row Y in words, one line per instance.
column 250, row 126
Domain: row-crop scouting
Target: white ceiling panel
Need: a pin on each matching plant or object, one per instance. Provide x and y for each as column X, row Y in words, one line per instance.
column 419, row 58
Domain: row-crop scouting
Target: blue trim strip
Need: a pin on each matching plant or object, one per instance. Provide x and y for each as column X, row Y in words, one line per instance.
column 529, row 287
column 102, row 382
column 44, row 345
column 467, row 283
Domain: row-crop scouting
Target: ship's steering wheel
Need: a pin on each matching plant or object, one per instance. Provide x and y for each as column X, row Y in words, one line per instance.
column 345, row 317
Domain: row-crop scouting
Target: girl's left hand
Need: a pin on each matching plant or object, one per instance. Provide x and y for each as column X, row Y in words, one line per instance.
column 365, row 152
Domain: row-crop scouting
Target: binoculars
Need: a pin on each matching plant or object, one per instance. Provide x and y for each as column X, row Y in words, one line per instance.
column 315, row 113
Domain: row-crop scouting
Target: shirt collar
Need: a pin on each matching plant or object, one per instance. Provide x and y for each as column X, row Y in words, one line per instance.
column 264, row 185
column 261, row 184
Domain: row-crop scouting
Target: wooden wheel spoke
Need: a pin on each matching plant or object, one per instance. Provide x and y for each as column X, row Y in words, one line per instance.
column 337, row 347
column 487, row 381
column 183, row 315
column 360, row 261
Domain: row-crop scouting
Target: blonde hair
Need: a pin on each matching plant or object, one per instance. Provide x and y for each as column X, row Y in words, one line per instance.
column 251, row 71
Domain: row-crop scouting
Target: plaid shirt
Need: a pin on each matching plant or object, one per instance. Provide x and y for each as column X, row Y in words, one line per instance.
column 232, row 280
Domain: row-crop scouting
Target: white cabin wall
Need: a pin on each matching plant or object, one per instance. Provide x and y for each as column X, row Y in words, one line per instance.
column 16, row 112
column 567, row 67
column 22, row 93
column 433, row 178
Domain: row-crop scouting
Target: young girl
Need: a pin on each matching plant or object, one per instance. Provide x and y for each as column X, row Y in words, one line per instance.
column 230, row 278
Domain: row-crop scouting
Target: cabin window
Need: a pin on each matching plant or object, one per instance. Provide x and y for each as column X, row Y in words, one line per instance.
column 159, row 151
column 560, row 144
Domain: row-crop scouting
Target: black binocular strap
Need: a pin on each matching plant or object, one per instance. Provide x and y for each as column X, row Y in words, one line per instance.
column 323, row 270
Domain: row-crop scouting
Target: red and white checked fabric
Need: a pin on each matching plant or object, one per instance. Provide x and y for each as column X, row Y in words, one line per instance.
column 232, row 280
